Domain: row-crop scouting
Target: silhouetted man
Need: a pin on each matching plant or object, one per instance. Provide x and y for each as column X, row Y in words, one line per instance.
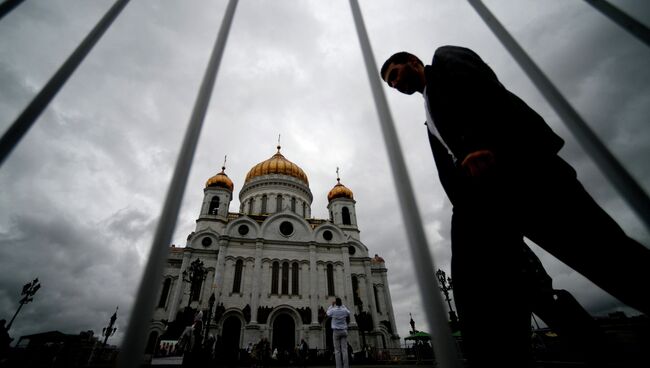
column 497, row 161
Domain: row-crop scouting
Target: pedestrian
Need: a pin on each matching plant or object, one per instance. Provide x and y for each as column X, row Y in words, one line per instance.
column 498, row 163
column 303, row 352
column 339, row 314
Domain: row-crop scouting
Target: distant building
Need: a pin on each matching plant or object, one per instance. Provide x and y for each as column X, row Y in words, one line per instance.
column 273, row 269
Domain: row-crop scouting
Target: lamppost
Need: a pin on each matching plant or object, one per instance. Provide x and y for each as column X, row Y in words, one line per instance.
column 110, row 330
column 445, row 286
column 28, row 292
column 207, row 324
column 412, row 323
column 195, row 277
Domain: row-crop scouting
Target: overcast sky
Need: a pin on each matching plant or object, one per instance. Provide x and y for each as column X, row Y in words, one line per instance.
column 82, row 192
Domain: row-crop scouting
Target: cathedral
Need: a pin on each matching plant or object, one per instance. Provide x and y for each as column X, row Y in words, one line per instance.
column 270, row 270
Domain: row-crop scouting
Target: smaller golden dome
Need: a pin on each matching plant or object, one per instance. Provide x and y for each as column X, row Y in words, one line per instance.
column 339, row 191
column 221, row 180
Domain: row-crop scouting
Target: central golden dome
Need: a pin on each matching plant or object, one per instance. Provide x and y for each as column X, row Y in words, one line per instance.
column 277, row 164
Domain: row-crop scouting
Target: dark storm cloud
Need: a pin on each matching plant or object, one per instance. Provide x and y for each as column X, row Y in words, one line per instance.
column 81, row 273
column 82, row 193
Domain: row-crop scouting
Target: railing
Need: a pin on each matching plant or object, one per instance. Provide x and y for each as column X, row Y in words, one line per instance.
column 445, row 348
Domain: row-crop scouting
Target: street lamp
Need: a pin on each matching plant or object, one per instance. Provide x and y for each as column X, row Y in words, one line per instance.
column 412, row 323
column 445, row 286
column 195, row 277
column 110, row 330
column 28, row 292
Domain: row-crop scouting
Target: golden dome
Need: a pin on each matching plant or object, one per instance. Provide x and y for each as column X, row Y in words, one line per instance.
column 220, row 180
column 339, row 191
column 277, row 164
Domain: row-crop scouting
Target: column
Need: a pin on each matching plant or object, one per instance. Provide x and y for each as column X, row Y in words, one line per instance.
column 178, row 287
column 370, row 295
column 219, row 269
column 257, row 273
column 345, row 256
column 339, row 285
column 304, row 282
column 347, row 280
column 388, row 302
column 313, row 279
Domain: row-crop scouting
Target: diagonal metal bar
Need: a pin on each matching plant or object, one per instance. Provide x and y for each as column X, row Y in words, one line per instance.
column 628, row 188
column 8, row 6
column 134, row 343
column 24, row 122
column 630, row 24
column 444, row 344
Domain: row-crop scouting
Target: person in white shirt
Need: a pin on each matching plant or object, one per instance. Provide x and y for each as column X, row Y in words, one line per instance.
column 339, row 314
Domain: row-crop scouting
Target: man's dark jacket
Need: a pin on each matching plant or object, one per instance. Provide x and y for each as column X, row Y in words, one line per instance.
column 473, row 111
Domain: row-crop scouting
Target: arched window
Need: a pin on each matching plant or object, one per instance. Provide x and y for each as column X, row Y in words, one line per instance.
column 304, row 209
column 274, row 277
column 346, row 216
column 236, row 285
column 165, row 293
column 285, row 278
column 214, row 205
column 330, row 280
column 376, row 299
column 293, row 204
column 264, row 199
column 278, row 204
column 355, row 290
column 294, row 278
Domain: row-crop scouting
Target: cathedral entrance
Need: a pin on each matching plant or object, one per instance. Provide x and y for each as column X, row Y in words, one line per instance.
column 230, row 334
column 284, row 333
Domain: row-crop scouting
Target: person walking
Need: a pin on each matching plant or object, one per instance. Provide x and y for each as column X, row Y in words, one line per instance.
column 498, row 162
column 339, row 314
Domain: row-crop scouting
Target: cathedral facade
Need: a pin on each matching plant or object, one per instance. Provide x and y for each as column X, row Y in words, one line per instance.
column 270, row 270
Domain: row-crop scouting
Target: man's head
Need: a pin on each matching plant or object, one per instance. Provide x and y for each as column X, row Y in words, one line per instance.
column 338, row 302
column 404, row 72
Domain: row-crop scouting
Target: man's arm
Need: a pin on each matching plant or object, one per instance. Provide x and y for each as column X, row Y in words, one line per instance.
column 329, row 311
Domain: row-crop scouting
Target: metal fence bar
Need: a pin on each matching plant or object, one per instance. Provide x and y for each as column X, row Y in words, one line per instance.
column 443, row 342
column 8, row 6
column 629, row 189
column 24, row 122
column 134, row 343
column 630, row 24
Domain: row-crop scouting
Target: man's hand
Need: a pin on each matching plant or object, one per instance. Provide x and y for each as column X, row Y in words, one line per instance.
column 478, row 163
